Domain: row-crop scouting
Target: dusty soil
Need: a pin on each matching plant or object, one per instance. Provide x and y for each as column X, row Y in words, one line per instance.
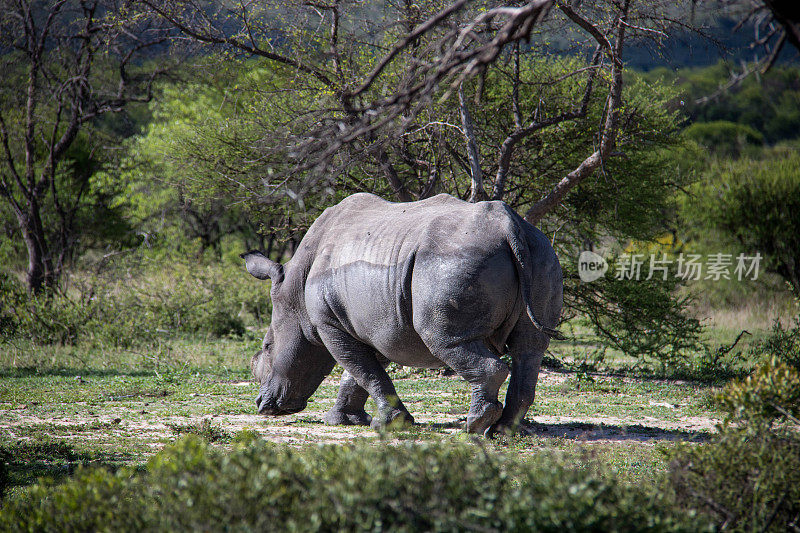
column 151, row 422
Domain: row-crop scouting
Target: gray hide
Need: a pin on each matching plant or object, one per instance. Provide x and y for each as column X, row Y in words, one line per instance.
column 424, row 284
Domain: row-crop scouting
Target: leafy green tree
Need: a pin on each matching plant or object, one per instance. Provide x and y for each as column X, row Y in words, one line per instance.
column 207, row 140
column 65, row 64
column 755, row 202
column 181, row 175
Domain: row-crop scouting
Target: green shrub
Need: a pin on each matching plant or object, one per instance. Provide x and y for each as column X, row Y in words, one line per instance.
column 47, row 318
column 749, row 475
column 648, row 324
column 712, row 365
column 135, row 301
column 749, row 478
column 753, row 202
column 784, row 343
column 723, row 137
column 203, row 429
column 420, row 487
column 772, row 392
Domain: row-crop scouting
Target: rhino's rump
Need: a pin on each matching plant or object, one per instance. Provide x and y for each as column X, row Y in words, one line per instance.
column 405, row 280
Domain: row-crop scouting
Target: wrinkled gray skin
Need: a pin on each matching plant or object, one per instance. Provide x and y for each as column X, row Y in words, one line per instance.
column 424, row 284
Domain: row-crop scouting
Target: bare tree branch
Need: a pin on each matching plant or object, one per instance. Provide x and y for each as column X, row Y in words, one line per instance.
column 455, row 59
column 510, row 142
column 251, row 48
column 61, row 42
column 477, row 192
column 609, row 131
column 413, row 36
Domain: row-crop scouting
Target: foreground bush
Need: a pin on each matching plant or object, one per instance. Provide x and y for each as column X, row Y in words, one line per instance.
column 749, row 475
column 748, row 478
column 190, row 486
column 772, row 392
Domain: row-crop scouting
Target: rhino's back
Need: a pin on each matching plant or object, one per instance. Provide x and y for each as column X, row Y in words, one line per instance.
column 364, row 227
column 391, row 274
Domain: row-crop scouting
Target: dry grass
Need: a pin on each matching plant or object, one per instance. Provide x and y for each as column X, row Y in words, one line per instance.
column 752, row 315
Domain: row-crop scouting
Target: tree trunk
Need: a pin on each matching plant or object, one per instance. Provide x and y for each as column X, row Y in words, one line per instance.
column 270, row 244
column 40, row 273
column 477, row 192
column 395, row 182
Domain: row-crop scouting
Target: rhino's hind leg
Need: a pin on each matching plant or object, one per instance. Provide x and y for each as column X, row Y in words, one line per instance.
column 367, row 371
column 526, row 347
column 520, row 394
column 485, row 372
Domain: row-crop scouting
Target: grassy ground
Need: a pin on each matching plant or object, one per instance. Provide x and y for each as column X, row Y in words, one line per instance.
column 61, row 407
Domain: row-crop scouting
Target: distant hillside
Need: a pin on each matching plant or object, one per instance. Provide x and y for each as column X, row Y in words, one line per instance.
column 690, row 49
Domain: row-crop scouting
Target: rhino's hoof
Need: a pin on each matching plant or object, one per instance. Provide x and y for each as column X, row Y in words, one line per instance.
column 499, row 430
column 341, row 418
column 393, row 421
column 480, row 423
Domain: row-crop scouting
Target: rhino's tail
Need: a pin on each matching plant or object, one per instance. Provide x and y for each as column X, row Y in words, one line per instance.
column 522, row 256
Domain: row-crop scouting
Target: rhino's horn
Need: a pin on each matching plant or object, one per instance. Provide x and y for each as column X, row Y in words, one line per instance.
column 262, row 267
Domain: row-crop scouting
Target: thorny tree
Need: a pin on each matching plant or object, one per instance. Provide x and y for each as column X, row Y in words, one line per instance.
column 65, row 64
column 368, row 77
column 775, row 23
column 411, row 99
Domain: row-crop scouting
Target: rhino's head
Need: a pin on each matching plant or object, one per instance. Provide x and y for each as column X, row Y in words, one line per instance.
column 288, row 367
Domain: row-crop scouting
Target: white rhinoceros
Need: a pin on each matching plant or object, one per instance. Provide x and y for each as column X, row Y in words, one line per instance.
column 424, row 284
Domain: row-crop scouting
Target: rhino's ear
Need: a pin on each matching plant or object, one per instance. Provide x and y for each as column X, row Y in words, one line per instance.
column 262, row 267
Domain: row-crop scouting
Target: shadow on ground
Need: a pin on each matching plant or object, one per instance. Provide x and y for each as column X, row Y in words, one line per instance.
column 578, row 431
column 584, row 431
column 23, row 463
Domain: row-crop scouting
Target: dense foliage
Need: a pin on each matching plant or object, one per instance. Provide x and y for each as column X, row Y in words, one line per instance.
column 727, row 139
column 772, row 392
column 648, row 323
column 749, row 480
column 755, row 203
column 130, row 300
column 749, row 475
column 423, row 487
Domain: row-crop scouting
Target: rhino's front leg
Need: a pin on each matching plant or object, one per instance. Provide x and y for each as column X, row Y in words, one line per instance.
column 367, row 370
column 349, row 407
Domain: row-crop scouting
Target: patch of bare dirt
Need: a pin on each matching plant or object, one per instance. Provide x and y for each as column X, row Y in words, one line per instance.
column 308, row 427
column 132, row 420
